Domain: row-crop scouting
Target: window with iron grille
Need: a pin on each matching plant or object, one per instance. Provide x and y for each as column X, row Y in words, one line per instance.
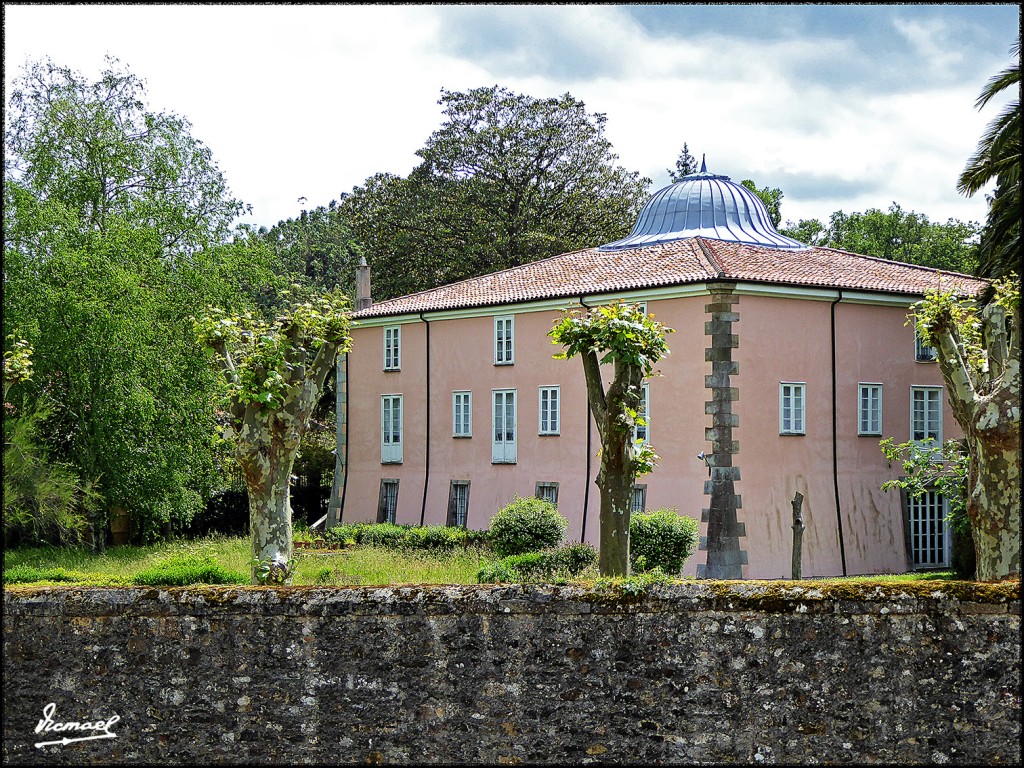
column 922, row 352
column 639, row 498
column 387, row 504
column 928, row 534
column 547, row 492
column 458, row 503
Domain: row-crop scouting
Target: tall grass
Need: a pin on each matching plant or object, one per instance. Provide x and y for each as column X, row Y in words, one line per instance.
column 362, row 565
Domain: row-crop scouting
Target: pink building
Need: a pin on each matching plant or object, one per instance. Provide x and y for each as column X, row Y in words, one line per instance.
column 788, row 364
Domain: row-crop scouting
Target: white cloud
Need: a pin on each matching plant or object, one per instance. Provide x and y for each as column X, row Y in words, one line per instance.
column 311, row 100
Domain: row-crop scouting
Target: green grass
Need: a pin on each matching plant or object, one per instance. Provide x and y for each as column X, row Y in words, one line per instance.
column 362, row 565
column 119, row 566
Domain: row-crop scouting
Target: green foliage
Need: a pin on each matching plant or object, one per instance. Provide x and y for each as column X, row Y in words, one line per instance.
column 635, row 584
column 116, row 224
column 316, row 248
column 506, row 179
column 928, row 465
column 619, row 332
column 17, row 362
column 896, row 235
column 272, row 571
column 26, row 574
column 549, row 565
column 526, row 525
column 686, row 164
column 998, row 158
column 662, row 539
column 180, row 570
column 43, row 499
column 438, row 538
column 771, row 197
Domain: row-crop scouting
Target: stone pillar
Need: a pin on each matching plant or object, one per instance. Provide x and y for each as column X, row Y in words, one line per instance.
column 722, row 542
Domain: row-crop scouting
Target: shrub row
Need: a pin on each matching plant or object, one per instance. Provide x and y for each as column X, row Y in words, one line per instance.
column 428, row 537
column 547, row 565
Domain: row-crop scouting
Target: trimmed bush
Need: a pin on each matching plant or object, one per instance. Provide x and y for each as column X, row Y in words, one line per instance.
column 661, row 539
column 548, row 565
column 182, row 570
column 526, row 525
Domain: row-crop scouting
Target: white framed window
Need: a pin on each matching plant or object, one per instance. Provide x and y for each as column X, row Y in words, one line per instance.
column 393, row 348
column 643, row 431
column 930, row 542
column 462, row 414
column 387, row 503
column 792, row 397
column 922, row 352
column 549, row 409
column 642, row 305
column 391, row 429
column 639, row 503
column 926, row 413
column 503, row 423
column 504, row 332
column 547, row 492
column 458, row 503
column 869, row 409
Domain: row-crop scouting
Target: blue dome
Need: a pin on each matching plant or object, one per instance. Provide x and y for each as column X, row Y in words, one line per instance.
column 704, row 205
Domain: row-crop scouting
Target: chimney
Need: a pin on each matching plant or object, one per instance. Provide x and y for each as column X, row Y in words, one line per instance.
column 363, row 299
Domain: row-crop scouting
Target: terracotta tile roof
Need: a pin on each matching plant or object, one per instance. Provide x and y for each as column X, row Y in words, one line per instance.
column 690, row 260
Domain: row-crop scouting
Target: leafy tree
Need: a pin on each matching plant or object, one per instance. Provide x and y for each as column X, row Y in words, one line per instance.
column 897, row 235
column 505, row 180
column 274, row 373
column 96, row 149
column 115, row 224
column 998, row 157
column 979, row 355
column 633, row 342
column 316, row 248
column 686, row 164
column 771, row 197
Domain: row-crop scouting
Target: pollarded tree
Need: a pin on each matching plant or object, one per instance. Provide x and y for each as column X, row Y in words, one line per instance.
column 633, row 342
column 979, row 354
column 274, row 374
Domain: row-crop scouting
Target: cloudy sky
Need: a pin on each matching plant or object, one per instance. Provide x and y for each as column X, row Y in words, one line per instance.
column 841, row 106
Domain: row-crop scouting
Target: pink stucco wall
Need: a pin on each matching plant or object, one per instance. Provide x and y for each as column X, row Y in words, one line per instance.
column 781, row 339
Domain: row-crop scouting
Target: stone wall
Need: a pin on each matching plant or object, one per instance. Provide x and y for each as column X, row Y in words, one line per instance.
column 700, row 672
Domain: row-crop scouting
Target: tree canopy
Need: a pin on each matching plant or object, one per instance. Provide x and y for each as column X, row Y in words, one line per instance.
column 998, row 157
column 897, row 235
column 506, row 179
column 116, row 224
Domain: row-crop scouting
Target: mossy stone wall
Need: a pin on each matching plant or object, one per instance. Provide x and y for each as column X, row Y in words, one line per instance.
column 699, row 672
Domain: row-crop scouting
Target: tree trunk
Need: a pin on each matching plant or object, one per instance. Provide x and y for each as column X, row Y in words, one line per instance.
column 267, row 465
column 616, row 509
column 798, row 536
column 994, row 510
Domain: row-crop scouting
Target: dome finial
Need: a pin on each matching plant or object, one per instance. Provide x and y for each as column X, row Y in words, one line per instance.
column 703, row 166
